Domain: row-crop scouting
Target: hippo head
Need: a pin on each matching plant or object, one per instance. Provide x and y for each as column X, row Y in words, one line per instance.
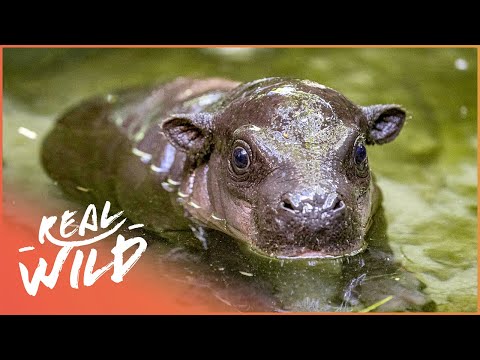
column 285, row 165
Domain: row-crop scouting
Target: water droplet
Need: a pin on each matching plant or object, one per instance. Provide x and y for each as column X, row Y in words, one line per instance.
column 144, row 157
column 167, row 187
column 187, row 93
column 173, row 182
column 80, row 188
column 461, row 64
column 32, row 135
column 463, row 112
column 245, row 273
column 200, row 234
column 194, row 205
column 232, row 53
column 111, row 98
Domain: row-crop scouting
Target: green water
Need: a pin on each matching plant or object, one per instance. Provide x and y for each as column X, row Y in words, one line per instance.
column 428, row 175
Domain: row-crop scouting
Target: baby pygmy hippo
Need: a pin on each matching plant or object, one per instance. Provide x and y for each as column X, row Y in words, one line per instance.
column 278, row 164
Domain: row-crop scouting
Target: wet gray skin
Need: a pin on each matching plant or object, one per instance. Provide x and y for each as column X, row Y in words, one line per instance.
column 278, row 164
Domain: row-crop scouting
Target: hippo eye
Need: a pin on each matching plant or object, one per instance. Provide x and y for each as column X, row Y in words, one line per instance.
column 241, row 157
column 360, row 159
column 360, row 154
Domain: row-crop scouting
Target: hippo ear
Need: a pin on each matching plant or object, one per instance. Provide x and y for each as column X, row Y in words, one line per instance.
column 190, row 133
column 384, row 122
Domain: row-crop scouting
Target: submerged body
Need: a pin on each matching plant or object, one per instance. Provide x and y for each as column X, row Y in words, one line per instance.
column 278, row 164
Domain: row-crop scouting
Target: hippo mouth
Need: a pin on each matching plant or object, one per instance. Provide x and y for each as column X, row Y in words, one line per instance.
column 305, row 253
column 315, row 235
column 314, row 254
column 326, row 249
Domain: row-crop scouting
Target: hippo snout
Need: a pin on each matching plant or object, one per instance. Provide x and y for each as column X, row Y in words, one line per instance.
column 309, row 224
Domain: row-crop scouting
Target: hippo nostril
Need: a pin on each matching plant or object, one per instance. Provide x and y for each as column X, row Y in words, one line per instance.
column 286, row 204
column 333, row 203
column 338, row 205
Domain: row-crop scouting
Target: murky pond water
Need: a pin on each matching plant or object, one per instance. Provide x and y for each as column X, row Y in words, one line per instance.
column 428, row 175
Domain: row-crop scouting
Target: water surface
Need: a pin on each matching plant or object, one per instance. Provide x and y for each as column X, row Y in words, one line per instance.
column 428, row 175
